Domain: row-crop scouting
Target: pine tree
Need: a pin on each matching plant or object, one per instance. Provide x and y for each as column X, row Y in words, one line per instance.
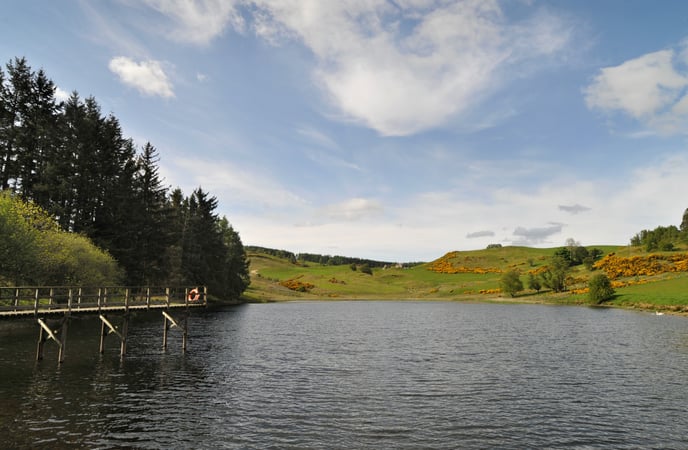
column 148, row 218
column 235, row 274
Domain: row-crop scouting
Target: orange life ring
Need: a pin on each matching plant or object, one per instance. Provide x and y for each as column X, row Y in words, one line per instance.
column 194, row 295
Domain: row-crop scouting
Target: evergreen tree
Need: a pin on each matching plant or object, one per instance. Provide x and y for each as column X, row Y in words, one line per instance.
column 76, row 164
column 16, row 99
column 235, row 271
column 148, row 233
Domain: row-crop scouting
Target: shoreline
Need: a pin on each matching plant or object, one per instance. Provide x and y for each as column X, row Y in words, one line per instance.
column 646, row 308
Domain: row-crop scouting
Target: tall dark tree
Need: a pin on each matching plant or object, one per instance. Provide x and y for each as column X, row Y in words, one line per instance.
column 176, row 227
column 203, row 244
column 76, row 164
column 17, row 98
column 44, row 144
column 148, row 236
column 235, row 272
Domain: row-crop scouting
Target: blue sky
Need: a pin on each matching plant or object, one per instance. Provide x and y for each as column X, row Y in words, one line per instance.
column 392, row 130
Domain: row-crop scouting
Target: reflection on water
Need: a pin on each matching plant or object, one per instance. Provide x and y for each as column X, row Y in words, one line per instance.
column 356, row 375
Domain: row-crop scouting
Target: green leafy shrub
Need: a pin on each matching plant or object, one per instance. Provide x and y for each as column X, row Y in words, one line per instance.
column 511, row 282
column 601, row 288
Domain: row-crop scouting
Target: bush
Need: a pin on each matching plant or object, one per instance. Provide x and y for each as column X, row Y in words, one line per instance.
column 511, row 282
column 34, row 250
column 601, row 288
column 534, row 283
column 365, row 268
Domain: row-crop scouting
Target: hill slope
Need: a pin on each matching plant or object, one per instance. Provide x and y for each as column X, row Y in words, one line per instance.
column 468, row 276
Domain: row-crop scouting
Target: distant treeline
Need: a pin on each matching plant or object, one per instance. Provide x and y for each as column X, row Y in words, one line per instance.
column 72, row 161
column 663, row 238
column 326, row 260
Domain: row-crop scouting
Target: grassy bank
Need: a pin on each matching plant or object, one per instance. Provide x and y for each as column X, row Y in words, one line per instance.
column 476, row 277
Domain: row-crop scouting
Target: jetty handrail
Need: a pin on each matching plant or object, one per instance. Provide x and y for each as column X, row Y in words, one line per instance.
column 42, row 299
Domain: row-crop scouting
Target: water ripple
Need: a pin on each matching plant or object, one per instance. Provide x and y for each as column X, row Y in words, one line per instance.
column 366, row 376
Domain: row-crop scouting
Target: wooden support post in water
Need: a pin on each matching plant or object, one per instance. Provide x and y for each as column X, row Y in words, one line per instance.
column 171, row 322
column 113, row 329
column 41, row 341
column 185, row 331
column 125, row 329
column 63, row 339
column 46, row 333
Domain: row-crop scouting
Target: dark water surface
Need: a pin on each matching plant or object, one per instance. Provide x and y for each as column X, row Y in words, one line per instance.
column 358, row 375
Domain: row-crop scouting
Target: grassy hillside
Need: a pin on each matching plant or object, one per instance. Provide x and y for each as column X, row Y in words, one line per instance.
column 476, row 277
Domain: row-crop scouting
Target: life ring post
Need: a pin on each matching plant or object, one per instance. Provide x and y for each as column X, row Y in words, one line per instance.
column 194, row 295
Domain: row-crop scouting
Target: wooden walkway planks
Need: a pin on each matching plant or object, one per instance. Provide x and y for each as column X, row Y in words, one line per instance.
column 37, row 302
column 27, row 301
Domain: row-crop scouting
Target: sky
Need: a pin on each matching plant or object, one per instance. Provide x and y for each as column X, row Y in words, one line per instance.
column 394, row 130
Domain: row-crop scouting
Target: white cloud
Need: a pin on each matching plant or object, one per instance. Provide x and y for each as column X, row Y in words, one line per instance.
column 354, row 209
column 534, row 236
column 574, row 209
column 148, row 77
column 479, row 234
column 396, row 67
column 425, row 226
column 241, row 186
column 649, row 89
column 317, row 137
column 404, row 70
column 61, row 95
column 197, row 21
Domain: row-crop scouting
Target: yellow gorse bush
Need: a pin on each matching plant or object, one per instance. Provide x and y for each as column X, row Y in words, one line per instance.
column 445, row 265
column 635, row 266
column 296, row 285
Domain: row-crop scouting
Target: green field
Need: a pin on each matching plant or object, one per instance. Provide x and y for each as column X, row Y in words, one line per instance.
column 661, row 292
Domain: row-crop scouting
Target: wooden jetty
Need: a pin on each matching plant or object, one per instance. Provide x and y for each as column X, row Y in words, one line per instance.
column 39, row 302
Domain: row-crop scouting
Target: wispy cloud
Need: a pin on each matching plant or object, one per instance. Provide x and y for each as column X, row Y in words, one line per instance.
column 241, row 186
column 197, row 22
column 650, row 88
column 574, row 209
column 426, row 225
column 61, row 95
column 534, row 236
column 411, row 77
column 317, row 137
column 148, row 77
column 354, row 209
column 479, row 234
column 424, row 62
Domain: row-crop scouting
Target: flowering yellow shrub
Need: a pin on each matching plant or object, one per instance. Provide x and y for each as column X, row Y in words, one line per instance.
column 295, row 285
column 538, row 270
column 490, row 291
column 580, row 291
column 444, row 265
column 634, row 266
